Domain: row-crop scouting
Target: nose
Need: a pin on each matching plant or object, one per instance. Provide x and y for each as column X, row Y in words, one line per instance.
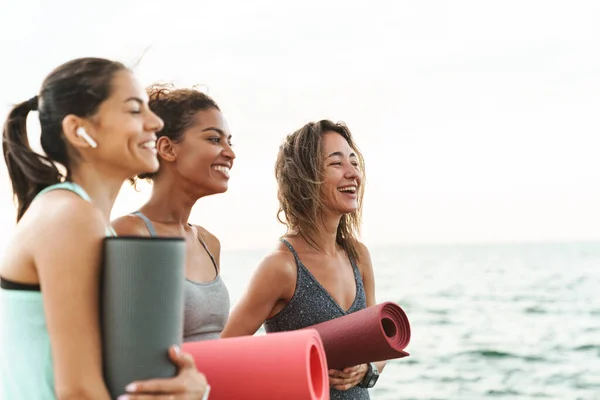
column 154, row 123
column 228, row 151
column 351, row 172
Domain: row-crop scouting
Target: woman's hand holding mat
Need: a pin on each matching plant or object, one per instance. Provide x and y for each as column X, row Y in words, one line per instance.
column 188, row 385
column 348, row 377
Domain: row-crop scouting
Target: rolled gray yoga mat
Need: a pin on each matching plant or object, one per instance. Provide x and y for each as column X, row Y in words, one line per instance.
column 142, row 308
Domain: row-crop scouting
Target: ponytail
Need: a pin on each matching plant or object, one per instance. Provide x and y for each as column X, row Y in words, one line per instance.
column 29, row 171
column 77, row 87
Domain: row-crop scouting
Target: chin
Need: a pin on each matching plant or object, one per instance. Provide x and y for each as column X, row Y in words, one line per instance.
column 147, row 168
column 345, row 210
column 216, row 189
column 149, row 164
column 348, row 210
column 222, row 190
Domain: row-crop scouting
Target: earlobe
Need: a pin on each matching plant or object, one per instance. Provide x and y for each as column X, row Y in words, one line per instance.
column 166, row 149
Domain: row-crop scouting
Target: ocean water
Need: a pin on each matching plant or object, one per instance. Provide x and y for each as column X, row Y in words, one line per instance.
column 502, row 321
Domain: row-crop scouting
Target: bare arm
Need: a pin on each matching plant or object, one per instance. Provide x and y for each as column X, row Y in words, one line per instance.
column 273, row 282
column 67, row 257
column 366, row 269
column 350, row 377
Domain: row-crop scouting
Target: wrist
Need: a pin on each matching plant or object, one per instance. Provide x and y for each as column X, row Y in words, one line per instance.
column 371, row 376
column 365, row 369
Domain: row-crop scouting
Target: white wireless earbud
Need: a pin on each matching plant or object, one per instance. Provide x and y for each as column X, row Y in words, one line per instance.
column 85, row 136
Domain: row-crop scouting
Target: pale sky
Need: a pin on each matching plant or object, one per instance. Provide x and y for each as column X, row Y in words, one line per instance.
column 479, row 120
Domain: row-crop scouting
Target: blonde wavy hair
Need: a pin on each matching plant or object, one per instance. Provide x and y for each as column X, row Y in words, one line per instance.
column 299, row 171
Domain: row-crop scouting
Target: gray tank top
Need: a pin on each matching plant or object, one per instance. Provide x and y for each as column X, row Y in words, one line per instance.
column 206, row 303
column 311, row 304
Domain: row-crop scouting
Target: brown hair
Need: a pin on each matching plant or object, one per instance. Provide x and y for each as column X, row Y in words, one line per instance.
column 177, row 108
column 299, row 172
column 77, row 87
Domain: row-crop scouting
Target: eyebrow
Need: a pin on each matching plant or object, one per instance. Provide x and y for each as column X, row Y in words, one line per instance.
column 136, row 99
column 219, row 131
column 339, row 154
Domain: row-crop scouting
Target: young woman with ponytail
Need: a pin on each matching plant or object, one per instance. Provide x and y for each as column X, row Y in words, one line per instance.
column 96, row 131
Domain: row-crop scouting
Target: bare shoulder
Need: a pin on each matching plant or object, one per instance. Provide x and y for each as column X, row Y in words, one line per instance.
column 364, row 257
column 68, row 209
column 130, row 225
column 72, row 220
column 53, row 219
column 366, row 270
column 211, row 240
column 363, row 250
column 279, row 262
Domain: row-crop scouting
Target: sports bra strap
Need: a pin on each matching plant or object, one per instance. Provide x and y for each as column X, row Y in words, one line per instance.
column 147, row 222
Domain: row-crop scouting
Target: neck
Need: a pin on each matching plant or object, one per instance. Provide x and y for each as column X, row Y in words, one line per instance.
column 327, row 232
column 170, row 202
column 102, row 187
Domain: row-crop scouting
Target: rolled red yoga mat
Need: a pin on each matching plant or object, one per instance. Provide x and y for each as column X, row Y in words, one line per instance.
column 375, row 333
column 285, row 365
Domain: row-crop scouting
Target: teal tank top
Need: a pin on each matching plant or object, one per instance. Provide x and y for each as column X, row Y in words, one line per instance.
column 26, row 369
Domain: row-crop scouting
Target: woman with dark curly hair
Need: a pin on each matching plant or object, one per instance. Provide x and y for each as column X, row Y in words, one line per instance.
column 195, row 156
column 319, row 270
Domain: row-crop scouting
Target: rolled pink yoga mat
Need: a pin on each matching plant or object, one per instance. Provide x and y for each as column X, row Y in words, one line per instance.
column 375, row 333
column 285, row 365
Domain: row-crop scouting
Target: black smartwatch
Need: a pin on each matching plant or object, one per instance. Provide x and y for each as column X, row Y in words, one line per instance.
column 371, row 377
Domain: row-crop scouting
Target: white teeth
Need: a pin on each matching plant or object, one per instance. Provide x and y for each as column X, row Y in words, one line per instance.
column 351, row 189
column 221, row 168
column 151, row 144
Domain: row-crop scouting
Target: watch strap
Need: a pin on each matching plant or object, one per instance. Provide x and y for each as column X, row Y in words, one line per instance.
column 372, row 371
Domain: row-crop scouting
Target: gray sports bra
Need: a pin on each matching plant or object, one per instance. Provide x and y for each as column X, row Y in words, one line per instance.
column 206, row 303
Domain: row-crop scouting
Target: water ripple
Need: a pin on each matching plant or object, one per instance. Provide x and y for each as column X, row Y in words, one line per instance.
column 495, row 354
